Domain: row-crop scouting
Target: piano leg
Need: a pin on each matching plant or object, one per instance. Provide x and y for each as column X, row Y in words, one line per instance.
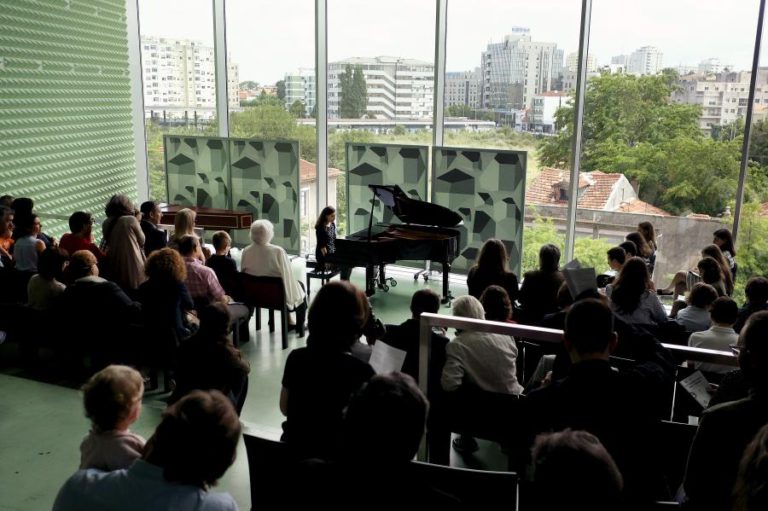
column 370, row 281
column 446, row 292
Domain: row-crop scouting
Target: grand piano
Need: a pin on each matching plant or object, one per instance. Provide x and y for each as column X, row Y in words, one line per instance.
column 425, row 235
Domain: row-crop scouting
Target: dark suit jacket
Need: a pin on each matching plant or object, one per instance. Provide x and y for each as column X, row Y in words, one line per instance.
column 405, row 336
column 723, row 434
column 154, row 237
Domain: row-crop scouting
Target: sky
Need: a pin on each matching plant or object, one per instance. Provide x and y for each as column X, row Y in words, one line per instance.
column 268, row 38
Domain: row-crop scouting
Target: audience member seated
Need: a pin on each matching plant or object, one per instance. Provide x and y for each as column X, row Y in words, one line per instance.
column 80, row 237
column 373, row 330
column 648, row 232
column 633, row 297
column 724, row 239
column 751, row 492
column 725, row 430
column 204, row 287
column 695, row 316
column 497, row 305
column 44, row 289
column 320, row 379
column 28, row 247
column 23, row 209
column 491, row 268
column 124, row 242
column 405, row 336
column 221, row 262
column 209, row 360
column 756, row 292
column 112, row 400
column 644, row 250
column 194, row 444
column 154, row 237
column 618, row 407
column 6, row 236
column 684, row 281
column 572, row 470
column 6, row 200
column 165, row 299
column 477, row 361
column 263, row 259
column 712, row 274
column 556, row 320
column 96, row 313
column 538, row 294
column 184, row 225
column 720, row 336
column 617, row 256
column 381, row 432
column 629, row 247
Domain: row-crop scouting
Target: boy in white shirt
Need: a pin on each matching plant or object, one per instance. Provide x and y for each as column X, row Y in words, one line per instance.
column 720, row 335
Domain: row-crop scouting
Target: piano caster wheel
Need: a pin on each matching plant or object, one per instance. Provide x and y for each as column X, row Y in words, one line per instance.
column 385, row 287
column 426, row 277
column 392, row 282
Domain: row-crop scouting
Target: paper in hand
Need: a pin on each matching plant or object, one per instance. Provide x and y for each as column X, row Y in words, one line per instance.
column 698, row 387
column 386, row 359
column 572, row 265
column 580, row 280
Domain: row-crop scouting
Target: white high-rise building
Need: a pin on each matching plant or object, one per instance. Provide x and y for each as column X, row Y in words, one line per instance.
column 397, row 88
column 301, row 86
column 517, row 69
column 463, row 88
column 712, row 65
column 572, row 63
column 179, row 75
column 645, row 61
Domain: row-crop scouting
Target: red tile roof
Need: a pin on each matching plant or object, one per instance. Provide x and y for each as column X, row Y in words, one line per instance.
column 308, row 171
column 639, row 206
column 599, row 187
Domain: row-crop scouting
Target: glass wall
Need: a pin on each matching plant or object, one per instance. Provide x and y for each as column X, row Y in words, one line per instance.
column 663, row 98
column 271, row 47
column 380, row 78
column 503, row 85
column 177, row 62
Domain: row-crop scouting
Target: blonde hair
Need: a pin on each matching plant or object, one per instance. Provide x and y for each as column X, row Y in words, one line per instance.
column 262, row 232
column 110, row 395
column 184, row 223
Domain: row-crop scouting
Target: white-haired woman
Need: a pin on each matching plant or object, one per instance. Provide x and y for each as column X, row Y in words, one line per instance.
column 477, row 361
column 263, row 259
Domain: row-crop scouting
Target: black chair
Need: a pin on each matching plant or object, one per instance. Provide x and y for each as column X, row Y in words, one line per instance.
column 266, row 293
column 673, row 440
column 269, row 463
column 475, row 489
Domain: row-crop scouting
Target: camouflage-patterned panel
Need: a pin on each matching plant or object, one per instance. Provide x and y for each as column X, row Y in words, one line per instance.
column 382, row 164
column 265, row 181
column 487, row 188
column 197, row 171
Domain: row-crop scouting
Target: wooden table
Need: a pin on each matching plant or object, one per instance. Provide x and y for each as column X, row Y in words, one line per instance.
column 210, row 218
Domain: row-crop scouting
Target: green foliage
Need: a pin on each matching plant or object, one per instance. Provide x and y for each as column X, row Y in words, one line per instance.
column 249, row 85
column 758, row 143
column 353, row 99
column 592, row 253
column 399, row 130
column 263, row 121
column 297, row 109
column 280, row 90
column 458, row 111
column 752, row 247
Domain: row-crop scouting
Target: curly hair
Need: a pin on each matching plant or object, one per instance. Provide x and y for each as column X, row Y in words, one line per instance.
column 166, row 264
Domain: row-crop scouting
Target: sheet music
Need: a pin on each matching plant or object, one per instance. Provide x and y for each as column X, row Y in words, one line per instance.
column 386, row 359
column 580, row 280
column 698, row 387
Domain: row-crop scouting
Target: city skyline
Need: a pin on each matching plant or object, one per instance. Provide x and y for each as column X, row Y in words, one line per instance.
column 617, row 28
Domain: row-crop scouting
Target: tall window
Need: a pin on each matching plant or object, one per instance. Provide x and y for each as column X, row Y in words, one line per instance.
column 273, row 44
column 661, row 96
column 178, row 76
column 380, row 78
column 505, row 81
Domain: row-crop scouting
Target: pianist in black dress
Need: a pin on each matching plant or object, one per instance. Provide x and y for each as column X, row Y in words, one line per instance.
column 325, row 234
column 491, row 269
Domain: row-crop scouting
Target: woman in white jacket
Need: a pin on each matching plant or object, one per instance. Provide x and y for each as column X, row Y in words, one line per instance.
column 263, row 259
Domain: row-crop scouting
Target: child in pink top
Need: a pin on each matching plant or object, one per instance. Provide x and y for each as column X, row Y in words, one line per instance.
column 112, row 399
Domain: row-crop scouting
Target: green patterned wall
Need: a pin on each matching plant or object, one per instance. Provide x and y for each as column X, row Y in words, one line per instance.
column 265, row 181
column 66, row 134
column 382, row 164
column 260, row 176
column 487, row 188
column 198, row 171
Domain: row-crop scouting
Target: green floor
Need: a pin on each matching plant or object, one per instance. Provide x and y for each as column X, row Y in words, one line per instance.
column 42, row 424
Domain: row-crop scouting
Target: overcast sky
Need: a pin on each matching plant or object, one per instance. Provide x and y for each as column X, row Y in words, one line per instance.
column 268, row 38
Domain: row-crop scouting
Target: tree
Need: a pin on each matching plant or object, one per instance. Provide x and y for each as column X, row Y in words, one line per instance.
column 297, row 109
column 353, row 99
column 281, row 90
column 249, row 85
column 263, row 121
column 459, row 111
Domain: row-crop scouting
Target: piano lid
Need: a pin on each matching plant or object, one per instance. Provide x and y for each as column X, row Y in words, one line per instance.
column 414, row 211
